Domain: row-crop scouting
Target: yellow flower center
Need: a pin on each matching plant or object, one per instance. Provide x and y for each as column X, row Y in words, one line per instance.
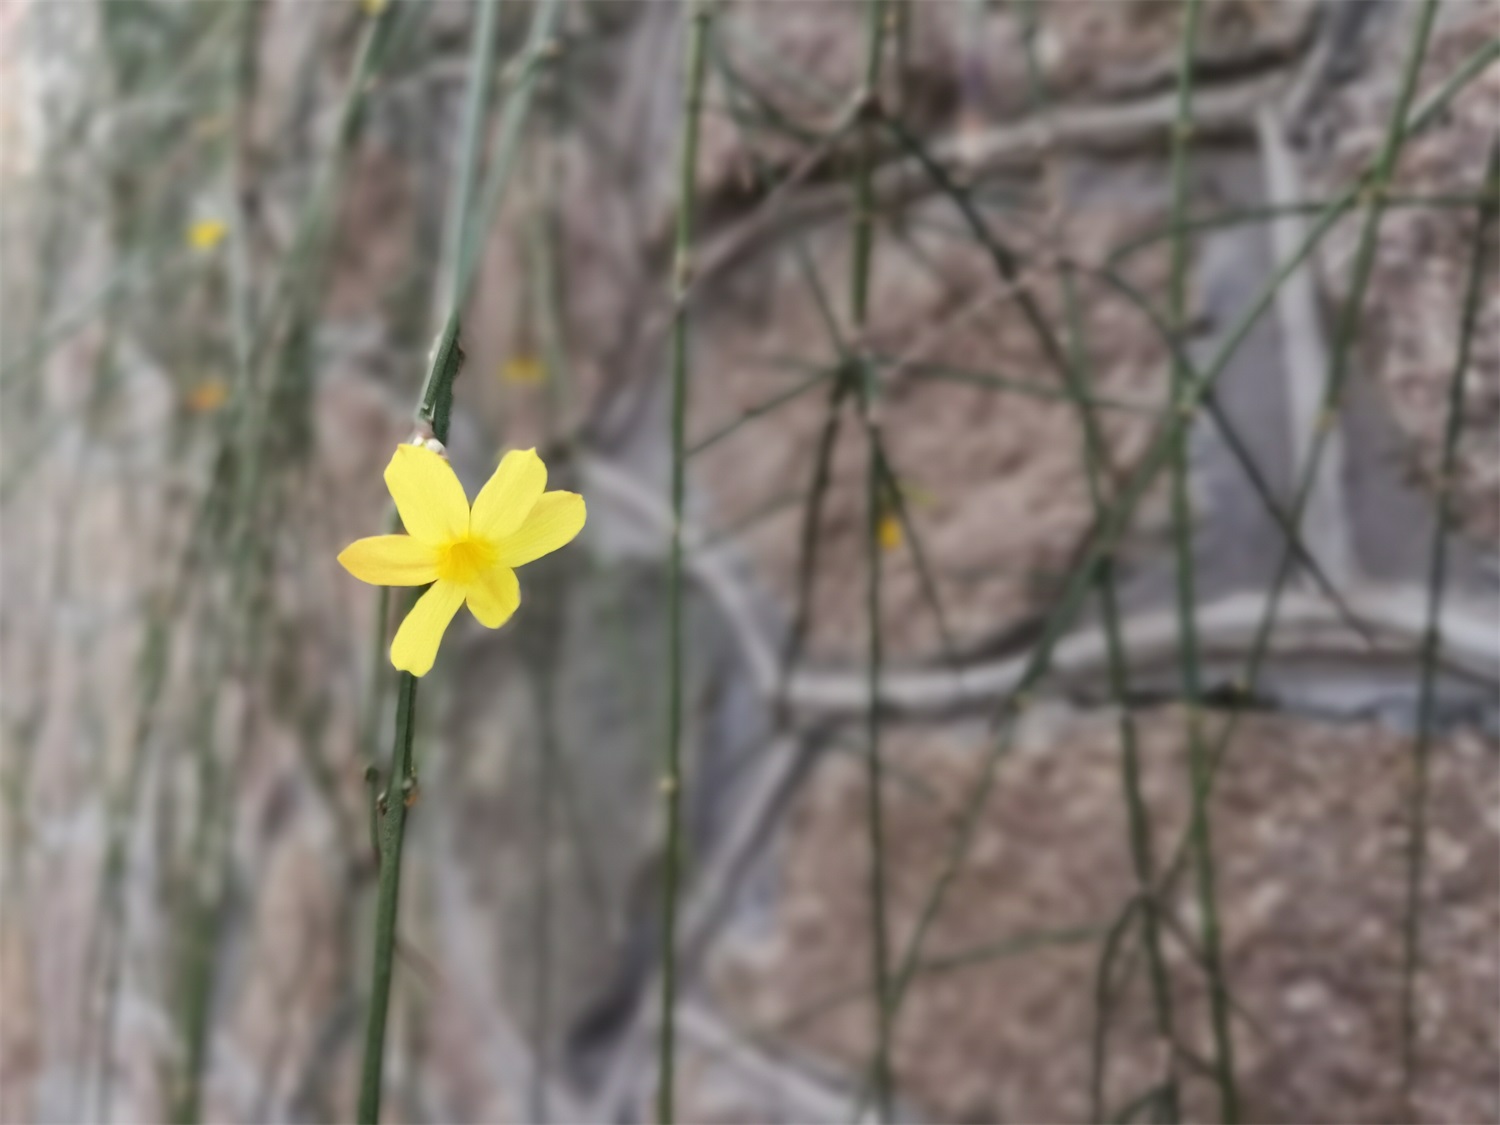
column 464, row 560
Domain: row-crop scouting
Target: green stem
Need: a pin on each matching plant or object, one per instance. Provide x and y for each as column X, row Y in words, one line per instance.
column 840, row 372
column 1244, row 215
column 922, row 369
column 458, row 234
column 986, row 953
column 242, row 634
column 297, row 281
column 1078, row 381
column 771, row 404
column 1071, row 599
column 541, row 995
column 859, row 296
column 1374, row 181
column 434, row 411
column 1374, row 184
column 523, row 72
column 1187, row 629
column 1427, row 692
column 1104, row 1001
column 671, row 782
column 1137, row 810
column 391, row 809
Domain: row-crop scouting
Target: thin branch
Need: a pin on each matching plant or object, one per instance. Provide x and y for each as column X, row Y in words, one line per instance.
column 671, row 781
column 1416, row 860
column 859, row 291
column 1182, row 537
column 433, row 412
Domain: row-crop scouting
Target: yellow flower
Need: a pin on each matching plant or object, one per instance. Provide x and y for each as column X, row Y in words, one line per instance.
column 208, row 395
column 205, row 234
column 372, row 7
column 889, row 531
column 467, row 555
column 523, row 370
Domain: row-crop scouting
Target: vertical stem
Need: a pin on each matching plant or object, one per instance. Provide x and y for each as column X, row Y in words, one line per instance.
column 1183, row 393
column 212, row 855
column 434, row 410
column 874, row 781
column 539, row 50
column 1374, row 188
column 1095, row 457
column 1070, row 601
column 671, row 782
column 1372, row 182
column 864, row 187
column 807, row 556
column 541, row 998
column 1104, row 1000
column 859, row 299
column 458, row 220
column 1078, row 381
column 392, row 831
column 1417, row 813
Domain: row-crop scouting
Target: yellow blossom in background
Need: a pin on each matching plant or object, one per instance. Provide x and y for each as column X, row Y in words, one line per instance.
column 373, row 7
column 522, row 370
column 207, row 395
column 890, row 531
column 205, row 234
column 468, row 555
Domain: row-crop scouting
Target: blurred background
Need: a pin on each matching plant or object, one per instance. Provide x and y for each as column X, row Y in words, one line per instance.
column 1163, row 406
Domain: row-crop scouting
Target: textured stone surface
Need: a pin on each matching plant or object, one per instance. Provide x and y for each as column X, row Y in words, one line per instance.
column 1309, row 836
column 1309, row 819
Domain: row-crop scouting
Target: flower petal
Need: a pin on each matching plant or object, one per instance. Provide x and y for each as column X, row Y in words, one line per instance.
column 416, row 643
column 495, row 596
column 552, row 523
column 507, row 497
column 427, row 493
column 390, row 560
